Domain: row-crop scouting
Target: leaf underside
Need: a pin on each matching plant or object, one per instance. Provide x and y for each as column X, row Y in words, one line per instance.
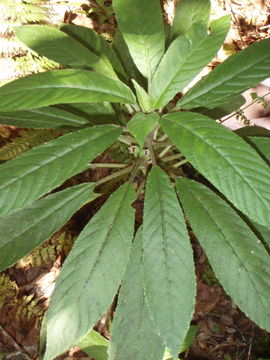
column 238, row 258
column 225, row 159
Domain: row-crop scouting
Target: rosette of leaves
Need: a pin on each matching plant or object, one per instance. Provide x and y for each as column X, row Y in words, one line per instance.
column 180, row 158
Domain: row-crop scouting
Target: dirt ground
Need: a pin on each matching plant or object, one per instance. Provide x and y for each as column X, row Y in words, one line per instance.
column 224, row 333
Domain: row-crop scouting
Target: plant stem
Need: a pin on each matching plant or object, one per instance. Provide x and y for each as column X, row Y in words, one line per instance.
column 172, row 157
column 135, row 170
column 164, row 151
column 180, row 163
column 116, row 174
column 112, row 165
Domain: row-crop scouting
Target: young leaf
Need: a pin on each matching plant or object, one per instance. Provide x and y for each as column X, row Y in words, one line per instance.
column 91, row 273
column 235, row 75
column 95, row 43
column 62, row 86
column 225, row 159
column 168, row 267
column 143, row 97
column 95, row 345
column 193, row 53
column 44, row 118
column 39, row 170
column 28, row 228
column 62, row 48
column 141, row 125
column 187, row 13
column 134, row 336
column 120, row 47
column 143, row 31
column 238, row 258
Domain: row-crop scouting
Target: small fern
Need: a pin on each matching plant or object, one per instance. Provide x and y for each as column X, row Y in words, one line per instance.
column 60, row 243
column 27, row 140
column 8, row 289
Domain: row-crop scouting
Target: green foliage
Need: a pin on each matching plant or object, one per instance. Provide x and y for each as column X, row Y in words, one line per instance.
column 182, row 158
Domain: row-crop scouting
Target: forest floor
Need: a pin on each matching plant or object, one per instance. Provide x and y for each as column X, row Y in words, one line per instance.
column 224, row 332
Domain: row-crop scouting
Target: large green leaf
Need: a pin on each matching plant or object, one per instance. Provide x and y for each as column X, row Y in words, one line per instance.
column 44, row 118
column 225, row 159
column 95, row 345
column 193, row 53
column 24, row 230
column 189, row 12
column 168, row 267
column 236, row 74
column 134, row 336
column 95, row 43
column 62, row 86
column 91, row 273
column 141, row 25
column 62, row 48
column 39, row 170
column 141, row 125
column 238, row 258
column 56, row 116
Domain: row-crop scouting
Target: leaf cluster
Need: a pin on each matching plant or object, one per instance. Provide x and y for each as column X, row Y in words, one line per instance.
column 187, row 168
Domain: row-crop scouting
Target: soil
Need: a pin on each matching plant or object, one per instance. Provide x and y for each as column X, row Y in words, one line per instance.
column 224, row 333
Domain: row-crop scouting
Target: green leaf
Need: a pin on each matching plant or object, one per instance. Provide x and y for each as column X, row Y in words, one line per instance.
column 95, row 114
column 91, row 273
column 141, row 125
column 62, row 86
column 193, row 53
column 43, row 118
column 225, row 159
column 133, row 334
column 28, row 228
column 189, row 12
column 235, row 75
column 95, row 345
column 39, row 170
column 95, row 43
column 143, row 97
column 168, row 267
column 237, row 257
column 141, row 25
column 189, row 339
column 120, row 47
column 262, row 232
column 62, row 48
column 223, row 109
column 63, row 115
column 262, row 144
